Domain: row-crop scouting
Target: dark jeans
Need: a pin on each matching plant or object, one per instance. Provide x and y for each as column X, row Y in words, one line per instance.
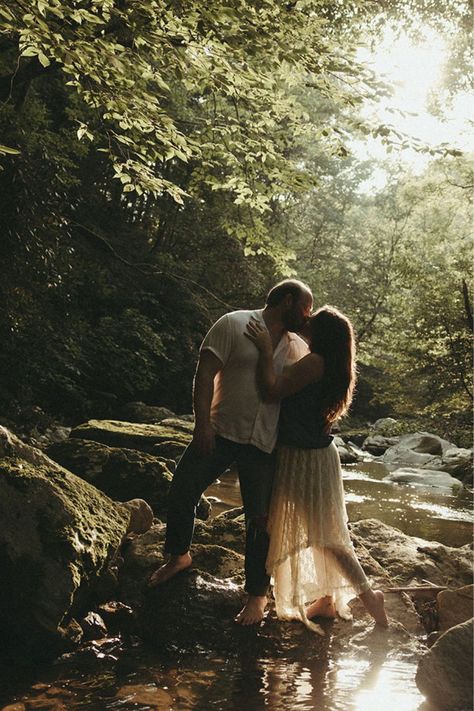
column 195, row 473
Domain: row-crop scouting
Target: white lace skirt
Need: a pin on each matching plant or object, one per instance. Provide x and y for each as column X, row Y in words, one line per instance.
column 311, row 554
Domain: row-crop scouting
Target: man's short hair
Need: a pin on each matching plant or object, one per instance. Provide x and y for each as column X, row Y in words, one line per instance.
column 288, row 286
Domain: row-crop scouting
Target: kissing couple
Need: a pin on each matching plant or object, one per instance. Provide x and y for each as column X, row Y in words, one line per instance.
column 268, row 386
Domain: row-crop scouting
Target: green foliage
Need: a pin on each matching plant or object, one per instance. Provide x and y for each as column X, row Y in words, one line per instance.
column 165, row 162
column 399, row 265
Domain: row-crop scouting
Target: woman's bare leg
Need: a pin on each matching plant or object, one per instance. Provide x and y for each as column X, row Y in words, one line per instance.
column 373, row 601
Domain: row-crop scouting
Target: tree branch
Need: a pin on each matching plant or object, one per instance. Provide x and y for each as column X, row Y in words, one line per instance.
column 147, row 270
column 467, row 305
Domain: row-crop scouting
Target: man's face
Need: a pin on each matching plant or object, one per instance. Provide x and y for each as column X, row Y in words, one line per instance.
column 298, row 313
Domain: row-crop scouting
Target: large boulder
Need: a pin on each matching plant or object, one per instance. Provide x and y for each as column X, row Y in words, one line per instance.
column 57, row 537
column 421, row 449
column 121, row 473
column 444, row 673
column 131, row 435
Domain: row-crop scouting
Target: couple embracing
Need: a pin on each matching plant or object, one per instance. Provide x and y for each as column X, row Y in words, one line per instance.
column 264, row 400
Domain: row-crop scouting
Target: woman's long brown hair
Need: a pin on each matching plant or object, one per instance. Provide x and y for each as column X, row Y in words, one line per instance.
column 332, row 336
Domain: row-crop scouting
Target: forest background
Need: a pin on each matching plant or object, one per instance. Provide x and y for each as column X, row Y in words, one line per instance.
column 165, row 162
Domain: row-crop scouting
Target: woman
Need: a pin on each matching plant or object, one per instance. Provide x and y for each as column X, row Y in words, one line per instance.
column 311, row 557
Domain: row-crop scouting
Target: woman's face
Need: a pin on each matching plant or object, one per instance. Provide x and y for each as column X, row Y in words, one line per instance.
column 306, row 331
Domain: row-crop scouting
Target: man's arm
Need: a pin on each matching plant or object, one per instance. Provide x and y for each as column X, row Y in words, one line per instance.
column 207, row 368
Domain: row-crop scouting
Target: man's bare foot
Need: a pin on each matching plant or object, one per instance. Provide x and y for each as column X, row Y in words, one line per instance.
column 174, row 565
column 374, row 604
column 324, row 607
column 253, row 611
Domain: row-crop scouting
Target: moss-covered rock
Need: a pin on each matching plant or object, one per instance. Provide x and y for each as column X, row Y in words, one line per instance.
column 122, row 474
column 58, row 535
column 132, row 435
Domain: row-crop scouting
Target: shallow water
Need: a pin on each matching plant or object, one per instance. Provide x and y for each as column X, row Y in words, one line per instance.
column 434, row 514
column 317, row 674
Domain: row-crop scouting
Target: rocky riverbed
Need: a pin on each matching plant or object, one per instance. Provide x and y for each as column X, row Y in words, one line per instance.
column 83, row 526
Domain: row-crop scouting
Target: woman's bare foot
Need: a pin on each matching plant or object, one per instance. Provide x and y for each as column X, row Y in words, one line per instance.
column 174, row 565
column 324, row 607
column 253, row 611
column 373, row 601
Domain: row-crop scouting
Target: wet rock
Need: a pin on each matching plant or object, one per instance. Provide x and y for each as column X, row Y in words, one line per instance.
column 346, row 455
column 409, row 559
column 141, row 516
column 117, row 616
column 131, row 435
column 193, row 608
column 444, row 673
column 423, row 477
column 103, row 650
column 121, row 473
column 455, row 606
column 57, row 537
column 421, row 449
column 144, row 414
column 93, row 626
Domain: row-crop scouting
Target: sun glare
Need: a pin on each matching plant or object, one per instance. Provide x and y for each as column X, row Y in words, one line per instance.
column 414, row 70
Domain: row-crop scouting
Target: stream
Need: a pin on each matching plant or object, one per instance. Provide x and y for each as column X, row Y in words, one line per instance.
column 310, row 677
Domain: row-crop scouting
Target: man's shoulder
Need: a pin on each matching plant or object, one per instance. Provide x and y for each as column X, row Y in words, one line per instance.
column 242, row 316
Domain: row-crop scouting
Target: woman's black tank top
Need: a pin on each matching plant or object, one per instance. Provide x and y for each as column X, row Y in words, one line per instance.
column 301, row 421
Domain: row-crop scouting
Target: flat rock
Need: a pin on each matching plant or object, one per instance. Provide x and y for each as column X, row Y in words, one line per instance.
column 131, row 435
column 409, row 560
column 423, row 477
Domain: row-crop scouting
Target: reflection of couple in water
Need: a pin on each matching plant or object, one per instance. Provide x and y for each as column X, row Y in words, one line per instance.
column 258, row 385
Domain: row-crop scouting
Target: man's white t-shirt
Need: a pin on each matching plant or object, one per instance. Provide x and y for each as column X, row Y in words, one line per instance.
column 237, row 410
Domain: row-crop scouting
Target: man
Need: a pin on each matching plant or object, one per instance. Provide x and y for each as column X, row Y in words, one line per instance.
column 234, row 426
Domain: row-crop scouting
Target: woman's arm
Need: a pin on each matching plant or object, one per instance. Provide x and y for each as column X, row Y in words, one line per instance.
column 295, row 378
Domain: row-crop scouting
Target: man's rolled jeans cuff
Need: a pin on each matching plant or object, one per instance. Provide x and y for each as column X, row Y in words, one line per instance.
column 170, row 551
